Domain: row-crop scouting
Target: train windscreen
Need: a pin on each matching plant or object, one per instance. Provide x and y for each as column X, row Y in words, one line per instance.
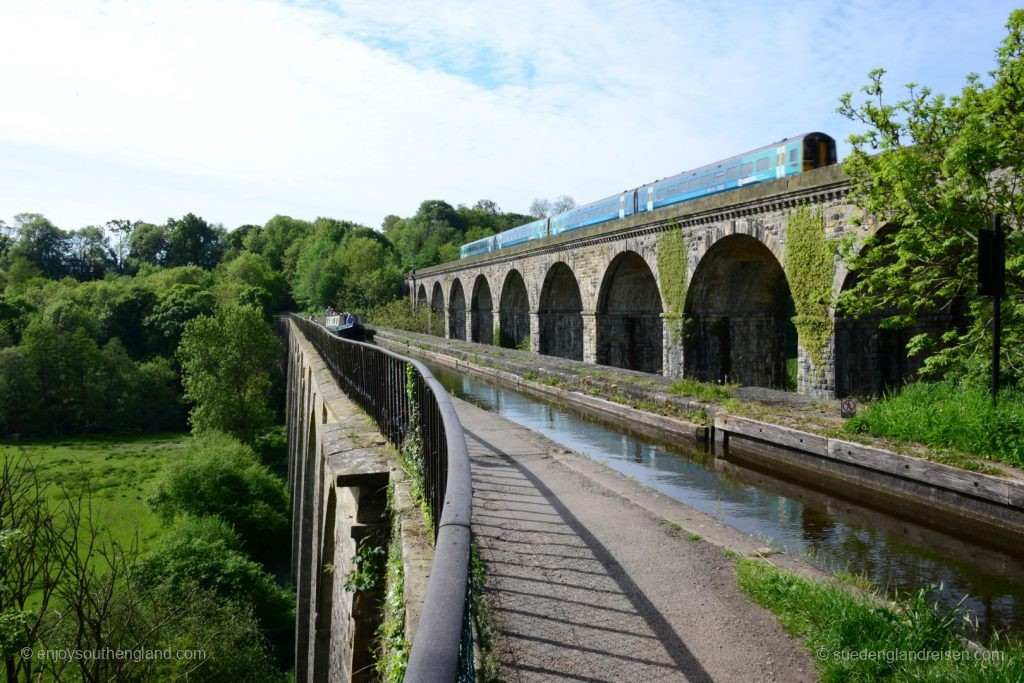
column 819, row 150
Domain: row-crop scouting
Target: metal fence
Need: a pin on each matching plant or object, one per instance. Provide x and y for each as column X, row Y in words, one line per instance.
column 410, row 406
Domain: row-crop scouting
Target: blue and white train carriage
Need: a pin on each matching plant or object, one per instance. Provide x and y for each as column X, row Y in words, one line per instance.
column 784, row 158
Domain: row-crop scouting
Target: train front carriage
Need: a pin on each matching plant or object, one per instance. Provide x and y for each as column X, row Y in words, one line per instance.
column 819, row 150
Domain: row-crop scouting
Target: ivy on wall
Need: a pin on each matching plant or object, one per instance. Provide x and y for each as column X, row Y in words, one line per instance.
column 810, row 269
column 673, row 257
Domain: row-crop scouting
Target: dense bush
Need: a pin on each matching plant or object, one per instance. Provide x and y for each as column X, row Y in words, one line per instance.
column 222, row 477
column 402, row 314
column 205, row 553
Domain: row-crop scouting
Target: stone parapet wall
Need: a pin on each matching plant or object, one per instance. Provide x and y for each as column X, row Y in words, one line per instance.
column 338, row 477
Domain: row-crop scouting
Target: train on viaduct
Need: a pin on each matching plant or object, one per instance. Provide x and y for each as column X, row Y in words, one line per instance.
column 700, row 289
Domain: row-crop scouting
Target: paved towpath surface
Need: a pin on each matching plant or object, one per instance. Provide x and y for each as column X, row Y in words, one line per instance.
column 586, row 585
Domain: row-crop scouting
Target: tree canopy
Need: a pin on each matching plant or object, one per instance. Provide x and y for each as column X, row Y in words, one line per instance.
column 226, row 360
column 936, row 169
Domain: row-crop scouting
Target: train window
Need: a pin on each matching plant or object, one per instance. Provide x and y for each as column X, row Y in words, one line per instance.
column 719, row 177
column 763, row 163
column 792, row 156
column 748, row 168
column 706, row 181
column 733, row 173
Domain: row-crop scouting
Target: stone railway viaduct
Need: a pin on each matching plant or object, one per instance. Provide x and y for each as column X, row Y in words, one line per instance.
column 600, row 294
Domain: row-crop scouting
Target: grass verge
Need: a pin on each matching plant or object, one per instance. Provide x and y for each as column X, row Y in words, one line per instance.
column 117, row 472
column 944, row 415
column 851, row 638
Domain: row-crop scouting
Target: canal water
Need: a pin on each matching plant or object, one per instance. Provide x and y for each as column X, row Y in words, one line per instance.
column 833, row 533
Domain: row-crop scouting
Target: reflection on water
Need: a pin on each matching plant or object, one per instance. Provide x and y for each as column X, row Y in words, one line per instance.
column 833, row 533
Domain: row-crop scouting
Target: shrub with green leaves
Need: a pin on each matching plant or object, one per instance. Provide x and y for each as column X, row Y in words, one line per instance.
column 205, row 553
column 220, row 476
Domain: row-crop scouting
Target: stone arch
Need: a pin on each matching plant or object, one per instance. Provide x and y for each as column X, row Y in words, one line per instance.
column 513, row 311
column 481, row 314
column 739, row 309
column 870, row 359
column 421, row 296
column 457, row 312
column 628, row 317
column 437, row 307
column 560, row 314
column 437, row 299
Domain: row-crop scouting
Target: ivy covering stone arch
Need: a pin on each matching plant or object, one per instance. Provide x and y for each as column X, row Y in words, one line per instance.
column 810, row 269
column 673, row 259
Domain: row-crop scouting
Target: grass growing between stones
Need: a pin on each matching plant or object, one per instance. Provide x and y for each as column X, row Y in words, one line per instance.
column 850, row 637
column 944, row 415
column 116, row 472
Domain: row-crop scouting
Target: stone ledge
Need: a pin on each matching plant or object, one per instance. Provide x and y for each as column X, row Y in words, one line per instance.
column 964, row 482
column 992, row 500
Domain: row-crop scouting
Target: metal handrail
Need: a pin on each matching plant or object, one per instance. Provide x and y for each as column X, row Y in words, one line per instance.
column 376, row 379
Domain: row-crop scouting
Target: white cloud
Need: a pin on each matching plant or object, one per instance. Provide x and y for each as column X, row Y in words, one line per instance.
column 243, row 108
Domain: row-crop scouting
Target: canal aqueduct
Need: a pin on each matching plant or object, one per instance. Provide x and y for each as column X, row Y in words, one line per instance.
column 716, row 305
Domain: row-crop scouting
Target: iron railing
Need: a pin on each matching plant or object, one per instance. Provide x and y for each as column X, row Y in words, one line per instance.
column 409, row 403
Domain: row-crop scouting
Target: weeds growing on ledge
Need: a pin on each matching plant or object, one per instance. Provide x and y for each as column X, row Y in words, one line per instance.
column 949, row 416
column 702, row 391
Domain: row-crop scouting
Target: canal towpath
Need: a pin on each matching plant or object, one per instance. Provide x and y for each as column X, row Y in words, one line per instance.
column 591, row 576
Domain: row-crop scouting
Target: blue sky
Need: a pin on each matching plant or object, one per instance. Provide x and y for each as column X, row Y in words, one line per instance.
column 238, row 110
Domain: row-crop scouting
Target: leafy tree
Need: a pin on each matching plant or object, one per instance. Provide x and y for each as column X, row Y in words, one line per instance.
column 148, row 243
column 89, row 255
column 372, row 274
column 21, row 401
column 225, row 360
column 234, row 240
column 60, row 381
column 346, row 265
column 173, row 309
column 487, row 206
column 14, row 318
column 419, row 239
column 237, row 279
column 121, row 230
column 273, row 240
column 160, row 279
column 193, row 242
column 42, row 244
column 221, row 476
column 937, row 169
column 122, row 307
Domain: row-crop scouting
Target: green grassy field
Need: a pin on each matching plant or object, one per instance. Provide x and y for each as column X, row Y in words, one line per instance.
column 118, row 471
